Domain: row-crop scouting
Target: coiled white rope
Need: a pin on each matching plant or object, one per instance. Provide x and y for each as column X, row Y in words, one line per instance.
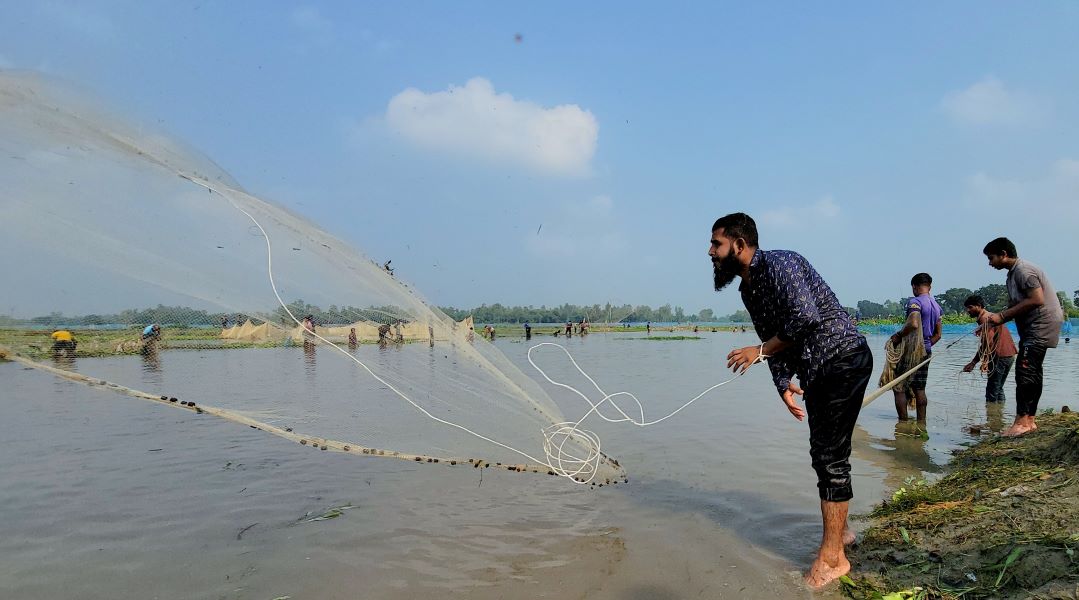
column 555, row 436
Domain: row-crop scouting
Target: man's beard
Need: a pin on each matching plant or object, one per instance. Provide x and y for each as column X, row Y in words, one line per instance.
column 725, row 269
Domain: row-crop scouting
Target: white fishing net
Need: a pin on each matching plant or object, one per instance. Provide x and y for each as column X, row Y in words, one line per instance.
column 108, row 229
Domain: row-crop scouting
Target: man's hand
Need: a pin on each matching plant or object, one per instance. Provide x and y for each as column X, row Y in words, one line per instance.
column 968, row 368
column 994, row 319
column 791, row 402
column 741, row 359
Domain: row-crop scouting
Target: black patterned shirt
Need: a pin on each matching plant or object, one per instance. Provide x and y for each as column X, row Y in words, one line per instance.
column 787, row 298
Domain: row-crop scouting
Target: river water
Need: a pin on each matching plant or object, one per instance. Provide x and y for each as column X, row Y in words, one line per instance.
column 107, row 496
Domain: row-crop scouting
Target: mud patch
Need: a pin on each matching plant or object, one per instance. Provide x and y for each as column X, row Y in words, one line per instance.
column 1004, row 523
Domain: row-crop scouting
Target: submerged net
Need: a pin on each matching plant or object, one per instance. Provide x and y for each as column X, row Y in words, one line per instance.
column 109, row 230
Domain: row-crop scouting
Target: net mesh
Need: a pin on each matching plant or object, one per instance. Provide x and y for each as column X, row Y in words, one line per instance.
column 110, row 230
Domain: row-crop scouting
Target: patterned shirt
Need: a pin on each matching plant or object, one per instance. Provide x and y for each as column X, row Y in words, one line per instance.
column 786, row 297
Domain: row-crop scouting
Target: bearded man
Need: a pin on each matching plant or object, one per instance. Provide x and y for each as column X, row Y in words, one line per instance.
column 805, row 332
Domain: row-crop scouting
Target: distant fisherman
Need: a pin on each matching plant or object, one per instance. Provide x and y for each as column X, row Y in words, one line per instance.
column 151, row 334
column 805, row 332
column 63, row 343
column 528, row 331
column 1034, row 305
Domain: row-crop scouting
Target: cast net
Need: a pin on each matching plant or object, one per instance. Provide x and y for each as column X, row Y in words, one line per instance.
column 132, row 260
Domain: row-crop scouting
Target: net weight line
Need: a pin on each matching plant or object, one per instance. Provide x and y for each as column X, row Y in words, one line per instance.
column 286, row 433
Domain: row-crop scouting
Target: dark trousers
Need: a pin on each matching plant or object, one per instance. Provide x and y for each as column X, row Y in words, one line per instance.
column 1028, row 378
column 833, row 402
column 998, row 374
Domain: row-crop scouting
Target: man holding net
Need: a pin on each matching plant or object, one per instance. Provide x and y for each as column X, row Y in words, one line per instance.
column 1034, row 305
column 805, row 332
column 921, row 331
column 996, row 351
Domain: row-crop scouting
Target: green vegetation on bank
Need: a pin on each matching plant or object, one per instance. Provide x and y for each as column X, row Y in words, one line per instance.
column 1004, row 523
column 869, row 312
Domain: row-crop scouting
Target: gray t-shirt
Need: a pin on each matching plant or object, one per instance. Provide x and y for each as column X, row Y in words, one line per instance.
column 1041, row 325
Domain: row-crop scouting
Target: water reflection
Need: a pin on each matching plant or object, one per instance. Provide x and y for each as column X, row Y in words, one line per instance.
column 994, row 413
column 309, row 355
column 903, row 455
column 151, row 368
column 64, row 360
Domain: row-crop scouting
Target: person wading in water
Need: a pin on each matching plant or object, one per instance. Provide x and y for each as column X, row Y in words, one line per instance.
column 805, row 332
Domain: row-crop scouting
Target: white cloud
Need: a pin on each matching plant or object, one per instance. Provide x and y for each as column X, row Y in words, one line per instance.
column 1050, row 198
column 475, row 121
column 989, row 102
column 820, row 211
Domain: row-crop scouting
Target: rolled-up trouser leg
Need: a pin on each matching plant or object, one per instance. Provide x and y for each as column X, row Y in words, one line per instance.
column 1028, row 378
column 833, row 403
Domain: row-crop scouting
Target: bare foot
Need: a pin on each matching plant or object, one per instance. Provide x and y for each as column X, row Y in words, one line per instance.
column 821, row 573
column 848, row 537
column 1018, row 429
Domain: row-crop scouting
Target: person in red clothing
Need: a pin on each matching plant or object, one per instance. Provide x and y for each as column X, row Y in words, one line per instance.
column 996, row 353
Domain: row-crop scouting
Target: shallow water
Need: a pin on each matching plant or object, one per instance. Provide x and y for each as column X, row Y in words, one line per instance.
column 110, row 497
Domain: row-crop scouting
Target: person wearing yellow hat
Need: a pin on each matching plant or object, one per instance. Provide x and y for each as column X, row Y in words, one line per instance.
column 63, row 342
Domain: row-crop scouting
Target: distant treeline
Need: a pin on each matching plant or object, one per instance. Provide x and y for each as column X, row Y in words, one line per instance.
column 596, row 313
column 170, row 315
column 951, row 301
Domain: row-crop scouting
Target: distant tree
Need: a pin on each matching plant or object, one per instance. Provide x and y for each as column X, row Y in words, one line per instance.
column 1066, row 304
column 871, row 310
column 952, row 300
column 739, row 316
column 995, row 296
column 664, row 314
column 706, row 315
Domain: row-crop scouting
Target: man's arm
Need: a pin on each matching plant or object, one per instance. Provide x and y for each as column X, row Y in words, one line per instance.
column 1035, row 298
column 984, row 344
column 936, row 332
column 913, row 322
column 742, row 358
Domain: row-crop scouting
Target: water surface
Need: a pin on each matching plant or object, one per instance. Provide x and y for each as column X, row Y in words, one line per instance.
column 110, row 497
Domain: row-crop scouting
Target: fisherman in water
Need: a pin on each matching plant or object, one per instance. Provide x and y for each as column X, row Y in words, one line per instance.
column 805, row 332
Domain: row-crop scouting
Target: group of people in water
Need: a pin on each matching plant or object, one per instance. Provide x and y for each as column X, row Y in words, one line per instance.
column 65, row 345
column 806, row 333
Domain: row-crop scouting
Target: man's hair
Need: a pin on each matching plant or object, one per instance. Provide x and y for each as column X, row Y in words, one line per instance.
column 921, row 279
column 974, row 300
column 1000, row 247
column 738, row 225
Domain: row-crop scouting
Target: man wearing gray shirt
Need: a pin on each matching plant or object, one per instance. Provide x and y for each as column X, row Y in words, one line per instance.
column 1034, row 305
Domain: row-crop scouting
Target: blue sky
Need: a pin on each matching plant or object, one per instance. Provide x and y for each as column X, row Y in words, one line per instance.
column 586, row 162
